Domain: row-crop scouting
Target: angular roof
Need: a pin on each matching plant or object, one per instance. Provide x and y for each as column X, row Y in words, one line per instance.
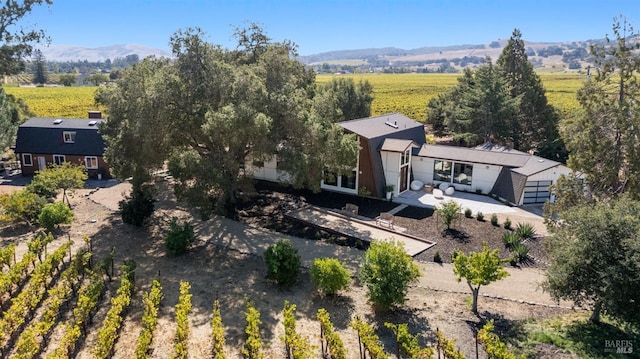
column 396, row 145
column 384, row 125
column 41, row 135
column 519, row 162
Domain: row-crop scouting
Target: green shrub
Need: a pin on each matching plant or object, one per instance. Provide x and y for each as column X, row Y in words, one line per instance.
column 494, row 219
column 283, row 262
column 178, row 237
column 520, row 252
column 525, row 230
column 480, row 216
column 21, row 206
column 437, row 258
column 468, row 213
column 55, row 214
column 387, row 270
column 138, row 206
column 329, row 275
column 507, row 223
column 510, row 239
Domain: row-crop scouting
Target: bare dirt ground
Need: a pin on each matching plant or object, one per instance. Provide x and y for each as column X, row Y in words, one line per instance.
column 225, row 262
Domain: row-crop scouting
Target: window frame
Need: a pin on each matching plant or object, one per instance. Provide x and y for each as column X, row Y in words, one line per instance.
column 24, row 161
column 442, row 175
column 58, row 157
column 460, row 168
column 71, row 136
column 86, row 162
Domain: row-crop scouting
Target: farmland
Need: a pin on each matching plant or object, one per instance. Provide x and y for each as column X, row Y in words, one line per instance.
column 404, row 93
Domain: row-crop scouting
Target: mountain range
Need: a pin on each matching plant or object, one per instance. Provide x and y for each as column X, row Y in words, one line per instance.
column 544, row 54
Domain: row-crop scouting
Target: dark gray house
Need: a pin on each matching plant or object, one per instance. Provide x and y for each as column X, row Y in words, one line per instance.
column 43, row 141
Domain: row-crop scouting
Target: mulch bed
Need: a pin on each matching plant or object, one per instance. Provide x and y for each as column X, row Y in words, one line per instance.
column 268, row 207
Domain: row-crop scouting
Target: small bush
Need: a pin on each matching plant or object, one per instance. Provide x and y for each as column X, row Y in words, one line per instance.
column 525, row 230
column 448, row 211
column 480, row 216
column 510, row 239
column 437, row 258
column 468, row 213
column 329, row 275
column 138, row 206
column 520, row 252
column 507, row 223
column 283, row 262
column 494, row 219
column 55, row 214
column 178, row 237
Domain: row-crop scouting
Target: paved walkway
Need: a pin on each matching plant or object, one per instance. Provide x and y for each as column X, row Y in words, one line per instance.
column 363, row 228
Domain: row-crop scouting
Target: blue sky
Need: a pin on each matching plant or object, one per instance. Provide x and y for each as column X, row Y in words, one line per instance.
column 319, row 26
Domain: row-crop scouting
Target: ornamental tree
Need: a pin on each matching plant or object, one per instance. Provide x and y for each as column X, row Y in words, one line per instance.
column 478, row 269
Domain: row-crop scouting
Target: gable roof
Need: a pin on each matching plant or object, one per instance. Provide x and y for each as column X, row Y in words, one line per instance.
column 519, row 162
column 396, row 145
column 379, row 126
column 40, row 135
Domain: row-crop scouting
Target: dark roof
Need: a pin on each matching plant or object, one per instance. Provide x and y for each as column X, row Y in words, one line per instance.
column 396, row 145
column 517, row 161
column 45, row 136
column 385, row 125
column 509, row 185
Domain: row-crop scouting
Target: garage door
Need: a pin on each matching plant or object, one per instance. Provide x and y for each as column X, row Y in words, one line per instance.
column 536, row 192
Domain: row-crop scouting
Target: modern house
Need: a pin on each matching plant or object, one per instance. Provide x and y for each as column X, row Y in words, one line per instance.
column 393, row 151
column 515, row 176
column 43, row 141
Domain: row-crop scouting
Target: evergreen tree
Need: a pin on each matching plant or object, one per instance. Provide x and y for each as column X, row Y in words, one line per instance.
column 478, row 109
column 40, row 72
column 535, row 125
column 604, row 140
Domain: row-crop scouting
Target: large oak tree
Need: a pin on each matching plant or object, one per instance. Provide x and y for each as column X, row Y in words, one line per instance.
column 211, row 111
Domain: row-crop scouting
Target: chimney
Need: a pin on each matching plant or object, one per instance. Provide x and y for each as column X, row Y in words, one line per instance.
column 95, row 114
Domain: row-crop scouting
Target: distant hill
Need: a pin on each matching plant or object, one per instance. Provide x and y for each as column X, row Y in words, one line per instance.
column 64, row 53
column 559, row 55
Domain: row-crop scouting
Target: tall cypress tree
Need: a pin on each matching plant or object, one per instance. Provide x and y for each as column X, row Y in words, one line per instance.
column 535, row 125
column 40, row 72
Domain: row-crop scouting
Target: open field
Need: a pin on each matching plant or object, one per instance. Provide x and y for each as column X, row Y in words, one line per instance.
column 65, row 102
column 404, row 93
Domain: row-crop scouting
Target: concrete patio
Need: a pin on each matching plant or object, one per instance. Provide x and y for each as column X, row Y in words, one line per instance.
column 477, row 203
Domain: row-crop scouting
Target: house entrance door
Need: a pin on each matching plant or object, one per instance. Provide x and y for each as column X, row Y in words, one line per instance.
column 404, row 178
column 42, row 163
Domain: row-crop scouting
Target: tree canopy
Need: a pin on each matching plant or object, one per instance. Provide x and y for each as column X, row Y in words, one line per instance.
column 16, row 41
column 604, row 139
column 387, row 270
column 595, row 258
column 478, row 269
column 212, row 111
column 503, row 103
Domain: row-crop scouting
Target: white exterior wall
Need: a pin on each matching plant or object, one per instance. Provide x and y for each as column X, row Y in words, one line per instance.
column 269, row 172
column 483, row 176
column 391, row 168
column 551, row 174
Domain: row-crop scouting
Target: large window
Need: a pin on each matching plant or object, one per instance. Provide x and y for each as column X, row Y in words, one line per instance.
column 69, row 137
column 442, row 171
column 348, row 181
column 27, row 160
column 330, row 178
column 91, row 162
column 58, row 159
column 462, row 173
column 405, row 158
